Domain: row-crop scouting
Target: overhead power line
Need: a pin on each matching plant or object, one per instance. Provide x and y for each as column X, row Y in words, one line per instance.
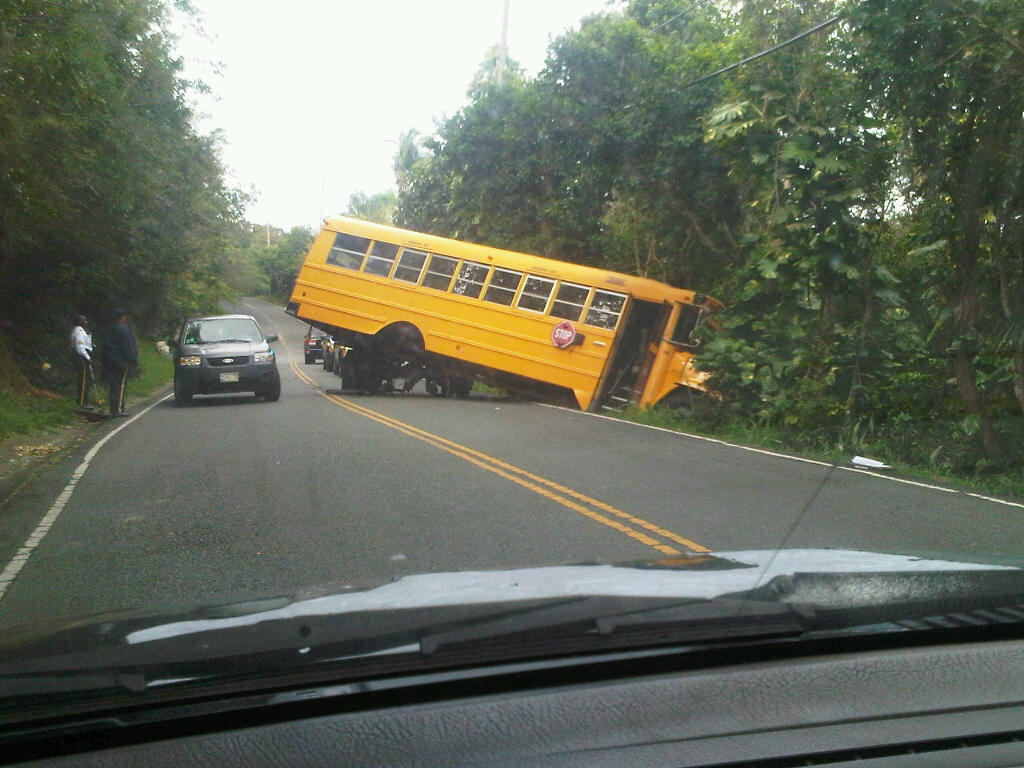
column 811, row 31
column 669, row 21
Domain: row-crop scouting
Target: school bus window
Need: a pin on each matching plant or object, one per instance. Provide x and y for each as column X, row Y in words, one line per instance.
column 348, row 251
column 440, row 272
column 503, row 287
column 569, row 301
column 471, row 279
column 410, row 265
column 536, row 293
column 605, row 309
column 382, row 256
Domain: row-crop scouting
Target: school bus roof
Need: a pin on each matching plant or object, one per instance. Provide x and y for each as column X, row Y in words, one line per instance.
column 639, row 287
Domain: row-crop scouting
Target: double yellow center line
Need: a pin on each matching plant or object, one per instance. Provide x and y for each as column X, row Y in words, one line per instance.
column 636, row 528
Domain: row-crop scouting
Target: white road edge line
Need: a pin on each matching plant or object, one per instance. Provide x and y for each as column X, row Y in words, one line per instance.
column 916, row 483
column 21, row 557
column 994, row 499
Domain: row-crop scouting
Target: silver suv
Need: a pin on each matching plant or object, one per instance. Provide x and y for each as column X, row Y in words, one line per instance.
column 225, row 353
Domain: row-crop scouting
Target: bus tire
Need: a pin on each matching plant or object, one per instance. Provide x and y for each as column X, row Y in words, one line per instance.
column 347, row 377
column 461, row 387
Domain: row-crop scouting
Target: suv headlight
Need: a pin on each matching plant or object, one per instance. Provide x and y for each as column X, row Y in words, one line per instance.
column 192, row 361
column 263, row 357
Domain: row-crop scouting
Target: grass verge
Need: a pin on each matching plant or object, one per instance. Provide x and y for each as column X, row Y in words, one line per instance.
column 32, row 411
column 25, row 408
column 155, row 370
column 486, row 389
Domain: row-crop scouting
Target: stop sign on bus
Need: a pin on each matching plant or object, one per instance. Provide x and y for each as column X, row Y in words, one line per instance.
column 563, row 334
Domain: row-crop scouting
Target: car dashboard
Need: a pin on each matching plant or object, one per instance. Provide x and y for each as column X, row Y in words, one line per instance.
column 947, row 704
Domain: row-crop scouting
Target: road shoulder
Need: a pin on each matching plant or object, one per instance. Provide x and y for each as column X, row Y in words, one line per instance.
column 23, row 457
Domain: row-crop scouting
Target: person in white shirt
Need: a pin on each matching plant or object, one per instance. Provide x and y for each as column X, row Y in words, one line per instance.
column 81, row 343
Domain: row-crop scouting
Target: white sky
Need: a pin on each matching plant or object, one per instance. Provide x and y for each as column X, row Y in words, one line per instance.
column 311, row 95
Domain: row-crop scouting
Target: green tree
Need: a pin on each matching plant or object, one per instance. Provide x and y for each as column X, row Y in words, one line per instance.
column 948, row 74
column 599, row 160
column 379, row 207
column 407, row 156
column 108, row 196
column 812, row 167
column 282, row 259
column 486, row 77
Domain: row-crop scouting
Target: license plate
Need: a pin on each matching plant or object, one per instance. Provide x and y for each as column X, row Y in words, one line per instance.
column 228, row 378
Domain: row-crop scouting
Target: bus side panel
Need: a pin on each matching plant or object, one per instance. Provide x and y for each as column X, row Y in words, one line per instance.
column 306, row 282
column 584, row 397
column 478, row 332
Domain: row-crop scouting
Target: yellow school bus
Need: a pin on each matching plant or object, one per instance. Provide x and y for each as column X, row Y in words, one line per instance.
column 412, row 306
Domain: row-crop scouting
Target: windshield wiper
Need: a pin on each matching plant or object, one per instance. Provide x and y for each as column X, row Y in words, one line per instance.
column 596, row 622
column 787, row 606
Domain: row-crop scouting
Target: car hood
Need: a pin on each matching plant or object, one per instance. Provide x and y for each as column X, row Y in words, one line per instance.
column 226, row 349
column 401, row 610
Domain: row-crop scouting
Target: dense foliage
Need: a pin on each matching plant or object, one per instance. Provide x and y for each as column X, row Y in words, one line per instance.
column 854, row 196
column 108, row 197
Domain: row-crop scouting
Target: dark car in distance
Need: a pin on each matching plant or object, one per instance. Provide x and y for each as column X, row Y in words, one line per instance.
column 224, row 353
column 312, row 345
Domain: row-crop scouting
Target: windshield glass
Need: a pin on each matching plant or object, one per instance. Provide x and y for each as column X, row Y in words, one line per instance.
column 221, row 330
column 475, row 327
column 687, row 324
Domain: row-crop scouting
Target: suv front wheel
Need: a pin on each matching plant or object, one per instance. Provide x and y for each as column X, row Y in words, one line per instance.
column 182, row 396
column 272, row 392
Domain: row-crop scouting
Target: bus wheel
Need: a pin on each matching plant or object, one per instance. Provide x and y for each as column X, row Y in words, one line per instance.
column 380, row 386
column 437, row 387
column 373, row 380
column 461, row 387
column 349, row 372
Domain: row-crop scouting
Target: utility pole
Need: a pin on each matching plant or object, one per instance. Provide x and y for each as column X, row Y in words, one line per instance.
column 503, row 48
column 323, row 192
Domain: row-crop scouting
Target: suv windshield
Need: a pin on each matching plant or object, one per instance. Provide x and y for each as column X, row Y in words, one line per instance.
column 221, row 330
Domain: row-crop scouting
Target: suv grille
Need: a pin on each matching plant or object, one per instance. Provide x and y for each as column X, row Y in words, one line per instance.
column 228, row 360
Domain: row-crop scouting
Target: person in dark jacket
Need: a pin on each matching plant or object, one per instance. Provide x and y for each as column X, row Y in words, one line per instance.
column 119, row 357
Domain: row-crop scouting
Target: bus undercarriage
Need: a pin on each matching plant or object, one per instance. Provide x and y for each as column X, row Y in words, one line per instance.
column 394, row 361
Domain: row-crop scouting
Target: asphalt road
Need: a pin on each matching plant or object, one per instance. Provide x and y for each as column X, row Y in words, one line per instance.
column 234, row 496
